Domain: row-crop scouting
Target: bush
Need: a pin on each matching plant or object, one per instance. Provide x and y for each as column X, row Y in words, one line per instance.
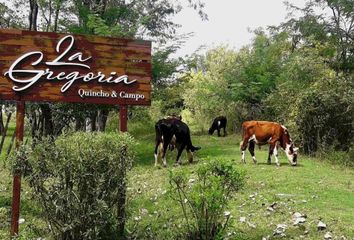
column 80, row 182
column 326, row 117
column 344, row 158
column 204, row 197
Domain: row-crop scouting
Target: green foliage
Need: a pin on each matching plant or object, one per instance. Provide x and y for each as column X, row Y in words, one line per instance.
column 10, row 17
column 145, row 18
column 80, row 182
column 168, row 80
column 260, row 67
column 207, row 93
column 326, row 116
column 204, row 196
column 170, row 99
column 100, row 27
column 329, row 22
column 235, row 83
column 155, row 112
column 300, row 70
column 342, row 158
column 274, row 81
column 313, row 101
column 164, row 67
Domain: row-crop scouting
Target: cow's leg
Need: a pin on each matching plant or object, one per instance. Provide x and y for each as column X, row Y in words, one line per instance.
column 160, row 152
column 275, row 152
column 180, row 148
column 269, row 161
column 243, row 147
column 190, row 155
column 224, row 131
column 157, row 151
column 172, row 144
column 166, row 142
column 251, row 147
column 219, row 135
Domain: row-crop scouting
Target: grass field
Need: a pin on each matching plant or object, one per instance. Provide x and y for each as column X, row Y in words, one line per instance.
column 315, row 188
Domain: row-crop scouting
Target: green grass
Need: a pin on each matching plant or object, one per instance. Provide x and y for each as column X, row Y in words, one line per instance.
column 34, row 224
column 315, row 188
column 5, row 185
column 10, row 131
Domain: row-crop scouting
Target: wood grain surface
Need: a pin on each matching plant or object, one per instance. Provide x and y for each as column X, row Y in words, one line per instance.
column 106, row 55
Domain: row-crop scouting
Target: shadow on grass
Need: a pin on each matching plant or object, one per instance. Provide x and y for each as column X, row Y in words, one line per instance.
column 281, row 164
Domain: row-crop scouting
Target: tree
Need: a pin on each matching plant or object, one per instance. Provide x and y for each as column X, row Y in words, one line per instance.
column 235, row 83
column 10, row 18
column 208, row 93
column 329, row 23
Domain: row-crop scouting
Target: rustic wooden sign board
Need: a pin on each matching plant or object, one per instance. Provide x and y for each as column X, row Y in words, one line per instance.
column 40, row 66
column 51, row 67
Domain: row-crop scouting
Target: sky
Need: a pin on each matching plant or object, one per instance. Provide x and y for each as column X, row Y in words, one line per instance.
column 229, row 22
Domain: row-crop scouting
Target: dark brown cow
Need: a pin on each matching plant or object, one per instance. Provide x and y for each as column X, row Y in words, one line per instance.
column 261, row 133
column 173, row 130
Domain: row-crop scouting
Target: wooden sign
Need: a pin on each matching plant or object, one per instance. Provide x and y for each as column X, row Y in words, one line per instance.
column 40, row 66
column 51, row 67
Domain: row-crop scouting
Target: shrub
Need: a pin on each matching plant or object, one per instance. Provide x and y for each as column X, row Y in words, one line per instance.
column 203, row 198
column 80, row 182
column 344, row 158
column 326, row 117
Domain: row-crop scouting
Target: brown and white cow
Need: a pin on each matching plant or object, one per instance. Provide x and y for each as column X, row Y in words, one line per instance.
column 263, row 132
column 173, row 130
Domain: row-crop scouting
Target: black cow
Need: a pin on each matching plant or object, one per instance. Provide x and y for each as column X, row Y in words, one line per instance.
column 218, row 124
column 166, row 130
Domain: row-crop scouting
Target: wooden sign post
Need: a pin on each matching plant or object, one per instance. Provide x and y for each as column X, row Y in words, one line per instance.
column 51, row 67
column 123, row 118
column 16, row 186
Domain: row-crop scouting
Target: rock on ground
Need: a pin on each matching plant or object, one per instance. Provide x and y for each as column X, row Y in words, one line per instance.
column 321, row 225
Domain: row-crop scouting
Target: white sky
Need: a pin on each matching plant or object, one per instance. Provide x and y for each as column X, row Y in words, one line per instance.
column 230, row 21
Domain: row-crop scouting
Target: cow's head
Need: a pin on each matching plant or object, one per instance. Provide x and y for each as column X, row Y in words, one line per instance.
column 291, row 153
column 191, row 152
column 289, row 147
column 211, row 130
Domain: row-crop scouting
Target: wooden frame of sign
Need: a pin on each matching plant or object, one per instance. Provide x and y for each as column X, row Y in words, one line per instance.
column 52, row 67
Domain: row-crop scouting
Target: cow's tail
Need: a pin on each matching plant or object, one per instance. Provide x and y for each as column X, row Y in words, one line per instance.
column 243, row 129
column 190, row 145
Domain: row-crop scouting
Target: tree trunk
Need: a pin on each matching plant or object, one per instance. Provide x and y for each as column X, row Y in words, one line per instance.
column 35, row 122
column 102, row 120
column 79, row 124
column 11, row 144
column 3, row 136
column 33, row 15
column 48, row 126
column 57, row 11
column 1, row 123
column 50, row 15
column 93, row 119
